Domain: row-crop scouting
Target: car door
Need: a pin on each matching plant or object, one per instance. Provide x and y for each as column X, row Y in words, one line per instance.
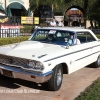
column 83, row 53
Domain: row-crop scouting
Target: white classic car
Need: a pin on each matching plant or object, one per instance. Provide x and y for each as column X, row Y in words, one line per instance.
column 49, row 53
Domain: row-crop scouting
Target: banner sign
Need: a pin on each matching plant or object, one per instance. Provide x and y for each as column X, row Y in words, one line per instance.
column 36, row 20
column 26, row 20
column 10, row 26
column 9, row 30
column 4, row 20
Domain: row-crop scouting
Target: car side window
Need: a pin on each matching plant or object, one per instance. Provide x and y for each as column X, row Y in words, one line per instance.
column 61, row 35
column 85, row 37
column 41, row 35
column 90, row 38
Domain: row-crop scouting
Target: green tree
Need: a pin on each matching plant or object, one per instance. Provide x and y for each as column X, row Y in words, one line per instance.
column 94, row 15
column 91, row 8
column 54, row 4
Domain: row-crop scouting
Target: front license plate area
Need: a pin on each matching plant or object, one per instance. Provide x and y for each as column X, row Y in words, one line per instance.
column 7, row 73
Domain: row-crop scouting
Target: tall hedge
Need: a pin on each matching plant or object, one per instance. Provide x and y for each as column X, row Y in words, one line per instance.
column 4, row 41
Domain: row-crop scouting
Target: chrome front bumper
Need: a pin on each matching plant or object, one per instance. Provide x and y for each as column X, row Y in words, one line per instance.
column 26, row 75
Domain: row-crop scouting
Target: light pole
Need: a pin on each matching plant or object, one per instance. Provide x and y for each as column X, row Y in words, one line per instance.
column 5, row 4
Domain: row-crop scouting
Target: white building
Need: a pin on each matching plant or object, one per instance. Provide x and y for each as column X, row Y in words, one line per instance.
column 14, row 7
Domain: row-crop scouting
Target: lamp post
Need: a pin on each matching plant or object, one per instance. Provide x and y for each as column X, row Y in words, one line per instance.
column 80, row 16
column 5, row 4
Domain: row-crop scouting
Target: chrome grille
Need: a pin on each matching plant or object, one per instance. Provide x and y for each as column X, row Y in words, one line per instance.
column 14, row 61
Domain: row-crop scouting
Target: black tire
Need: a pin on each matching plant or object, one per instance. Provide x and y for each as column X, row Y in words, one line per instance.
column 97, row 63
column 2, row 76
column 55, row 81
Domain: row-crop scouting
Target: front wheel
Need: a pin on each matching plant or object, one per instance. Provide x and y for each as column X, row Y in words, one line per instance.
column 55, row 81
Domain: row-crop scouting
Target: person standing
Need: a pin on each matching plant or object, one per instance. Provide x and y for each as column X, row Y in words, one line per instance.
column 53, row 23
column 61, row 23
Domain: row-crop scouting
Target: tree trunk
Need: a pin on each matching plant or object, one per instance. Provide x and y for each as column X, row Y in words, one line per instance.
column 85, row 9
column 91, row 22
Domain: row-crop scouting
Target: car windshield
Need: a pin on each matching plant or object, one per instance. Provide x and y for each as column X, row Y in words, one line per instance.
column 59, row 37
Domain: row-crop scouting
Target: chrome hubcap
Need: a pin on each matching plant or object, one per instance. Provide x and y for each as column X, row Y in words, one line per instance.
column 59, row 77
column 98, row 60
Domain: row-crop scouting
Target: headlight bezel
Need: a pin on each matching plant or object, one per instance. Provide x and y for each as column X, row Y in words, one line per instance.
column 36, row 65
column 31, row 64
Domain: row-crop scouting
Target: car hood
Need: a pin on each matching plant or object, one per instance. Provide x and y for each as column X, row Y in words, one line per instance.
column 33, row 50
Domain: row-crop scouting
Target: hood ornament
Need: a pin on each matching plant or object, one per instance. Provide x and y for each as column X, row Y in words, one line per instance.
column 33, row 55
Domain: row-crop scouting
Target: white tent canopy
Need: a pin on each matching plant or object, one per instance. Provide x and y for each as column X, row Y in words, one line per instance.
column 2, row 14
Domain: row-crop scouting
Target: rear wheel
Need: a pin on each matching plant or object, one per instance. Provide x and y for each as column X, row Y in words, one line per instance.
column 97, row 63
column 55, row 81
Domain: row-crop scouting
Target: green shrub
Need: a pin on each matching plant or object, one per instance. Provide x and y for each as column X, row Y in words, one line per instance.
column 26, row 28
column 4, row 41
column 98, row 35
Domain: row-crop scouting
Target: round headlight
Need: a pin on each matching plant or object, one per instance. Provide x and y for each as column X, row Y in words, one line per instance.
column 39, row 65
column 31, row 64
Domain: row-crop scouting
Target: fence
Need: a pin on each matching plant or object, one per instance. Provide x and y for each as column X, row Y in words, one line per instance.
column 96, row 31
column 4, row 33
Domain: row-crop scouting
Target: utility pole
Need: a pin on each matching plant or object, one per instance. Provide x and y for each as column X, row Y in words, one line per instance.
column 5, row 4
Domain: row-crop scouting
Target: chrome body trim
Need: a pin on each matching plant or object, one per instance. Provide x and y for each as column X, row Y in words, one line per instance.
column 26, row 75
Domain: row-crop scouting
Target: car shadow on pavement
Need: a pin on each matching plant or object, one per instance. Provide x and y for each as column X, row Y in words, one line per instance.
column 7, row 82
column 17, row 83
column 91, row 66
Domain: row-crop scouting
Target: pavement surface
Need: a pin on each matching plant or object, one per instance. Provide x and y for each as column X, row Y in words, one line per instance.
column 72, row 86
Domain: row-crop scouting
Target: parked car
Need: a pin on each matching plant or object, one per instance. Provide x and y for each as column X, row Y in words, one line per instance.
column 49, row 53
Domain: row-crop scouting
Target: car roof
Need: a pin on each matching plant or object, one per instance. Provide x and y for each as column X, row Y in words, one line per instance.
column 73, row 29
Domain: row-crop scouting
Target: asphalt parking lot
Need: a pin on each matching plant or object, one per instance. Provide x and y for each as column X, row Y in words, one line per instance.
column 73, row 84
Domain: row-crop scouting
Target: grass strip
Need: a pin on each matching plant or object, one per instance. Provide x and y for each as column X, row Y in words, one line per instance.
column 91, row 93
